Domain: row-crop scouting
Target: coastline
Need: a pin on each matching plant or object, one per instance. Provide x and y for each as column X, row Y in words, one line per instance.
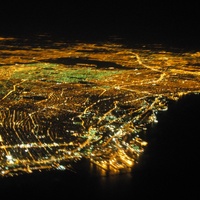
column 168, row 165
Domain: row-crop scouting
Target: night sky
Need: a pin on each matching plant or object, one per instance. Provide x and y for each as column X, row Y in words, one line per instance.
column 167, row 20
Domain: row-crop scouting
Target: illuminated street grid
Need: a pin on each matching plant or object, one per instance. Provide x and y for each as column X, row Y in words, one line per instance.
column 61, row 102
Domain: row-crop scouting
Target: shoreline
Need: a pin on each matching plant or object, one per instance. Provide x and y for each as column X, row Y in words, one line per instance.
column 167, row 163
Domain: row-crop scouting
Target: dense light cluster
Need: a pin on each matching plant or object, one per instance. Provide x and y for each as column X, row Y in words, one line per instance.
column 64, row 102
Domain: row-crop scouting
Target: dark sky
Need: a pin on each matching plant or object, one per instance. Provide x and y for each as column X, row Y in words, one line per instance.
column 166, row 19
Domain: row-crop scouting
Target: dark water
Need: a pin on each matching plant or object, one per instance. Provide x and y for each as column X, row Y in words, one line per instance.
column 169, row 167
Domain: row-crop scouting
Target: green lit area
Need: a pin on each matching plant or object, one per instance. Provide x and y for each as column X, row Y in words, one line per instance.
column 54, row 72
